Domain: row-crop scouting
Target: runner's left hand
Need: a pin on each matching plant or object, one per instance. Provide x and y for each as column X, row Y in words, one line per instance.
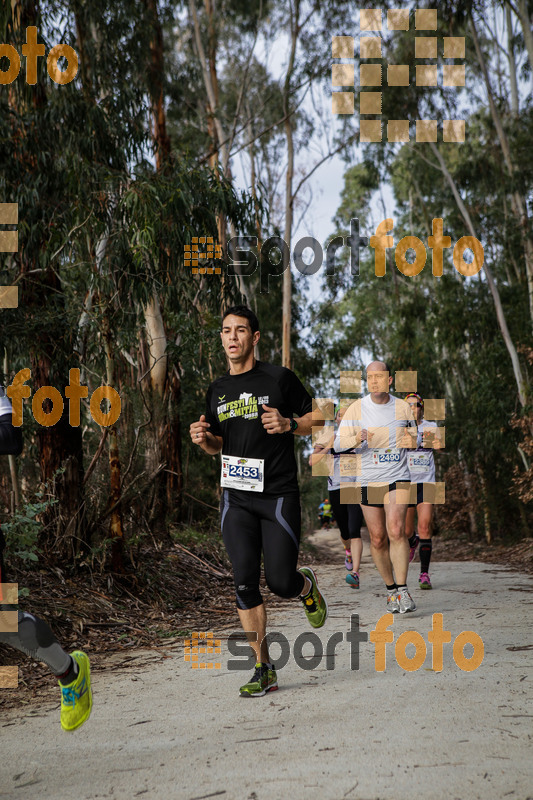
column 273, row 422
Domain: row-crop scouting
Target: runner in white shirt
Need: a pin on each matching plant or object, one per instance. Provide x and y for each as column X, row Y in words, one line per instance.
column 422, row 470
column 382, row 420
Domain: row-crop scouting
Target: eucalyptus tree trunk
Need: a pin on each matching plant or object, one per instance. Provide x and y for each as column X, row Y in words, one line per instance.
column 289, row 197
column 518, row 202
column 221, row 141
column 512, row 61
column 500, row 315
column 165, row 388
column 116, row 525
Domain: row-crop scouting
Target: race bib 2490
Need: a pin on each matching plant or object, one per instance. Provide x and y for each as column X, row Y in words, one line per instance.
column 389, row 456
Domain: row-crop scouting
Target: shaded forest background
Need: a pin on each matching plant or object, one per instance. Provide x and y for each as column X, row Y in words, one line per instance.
column 115, row 172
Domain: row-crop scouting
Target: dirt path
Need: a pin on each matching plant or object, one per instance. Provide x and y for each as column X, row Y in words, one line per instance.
column 160, row 729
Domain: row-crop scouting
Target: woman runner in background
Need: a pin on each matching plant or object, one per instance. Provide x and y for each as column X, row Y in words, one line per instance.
column 349, row 516
column 422, row 469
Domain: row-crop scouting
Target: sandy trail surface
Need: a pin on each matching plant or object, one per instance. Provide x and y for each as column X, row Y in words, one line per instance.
column 336, row 728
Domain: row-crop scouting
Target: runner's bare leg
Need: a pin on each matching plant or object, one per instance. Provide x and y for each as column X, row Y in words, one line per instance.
column 379, row 543
column 253, row 621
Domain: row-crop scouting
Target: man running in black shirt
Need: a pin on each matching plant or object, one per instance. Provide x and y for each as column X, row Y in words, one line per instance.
column 249, row 418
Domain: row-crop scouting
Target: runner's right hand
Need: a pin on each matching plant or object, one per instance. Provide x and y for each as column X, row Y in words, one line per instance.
column 198, row 430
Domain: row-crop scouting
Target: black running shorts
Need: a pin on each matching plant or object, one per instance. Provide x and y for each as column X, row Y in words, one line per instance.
column 253, row 524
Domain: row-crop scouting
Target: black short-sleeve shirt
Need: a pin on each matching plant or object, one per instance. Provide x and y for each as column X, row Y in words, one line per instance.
column 234, row 406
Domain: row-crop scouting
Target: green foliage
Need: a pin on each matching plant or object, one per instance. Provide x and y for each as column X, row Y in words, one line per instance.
column 22, row 531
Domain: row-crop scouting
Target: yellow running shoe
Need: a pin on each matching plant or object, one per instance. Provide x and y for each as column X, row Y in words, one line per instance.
column 315, row 605
column 76, row 697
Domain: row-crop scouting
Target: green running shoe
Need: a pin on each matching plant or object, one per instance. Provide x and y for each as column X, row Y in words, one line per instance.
column 315, row 605
column 263, row 680
column 76, row 697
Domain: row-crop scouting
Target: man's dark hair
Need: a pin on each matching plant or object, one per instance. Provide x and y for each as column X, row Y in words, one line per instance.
column 243, row 311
